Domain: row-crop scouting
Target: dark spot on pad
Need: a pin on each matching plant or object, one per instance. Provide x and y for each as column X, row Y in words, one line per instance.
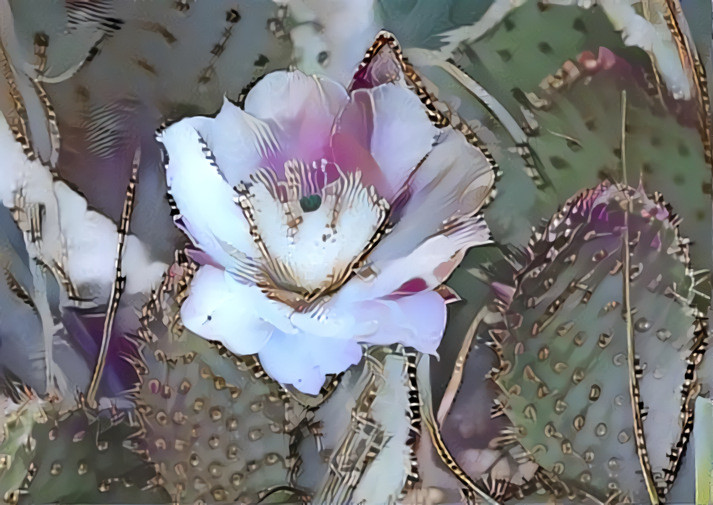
column 310, row 203
column 558, row 162
column 678, row 179
column 504, row 55
column 508, row 24
column 683, row 149
column 579, row 25
column 322, row 57
column 544, row 47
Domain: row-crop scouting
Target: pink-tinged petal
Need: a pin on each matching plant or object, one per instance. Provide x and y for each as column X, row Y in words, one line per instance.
column 300, row 110
column 416, row 321
column 391, row 123
column 219, row 308
column 452, row 183
column 433, row 262
column 384, row 67
column 305, row 360
column 205, row 200
column 238, row 141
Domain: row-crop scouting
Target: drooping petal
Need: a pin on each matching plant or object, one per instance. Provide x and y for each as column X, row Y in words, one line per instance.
column 239, row 142
column 391, row 123
column 219, row 308
column 300, row 110
column 416, row 321
column 205, row 199
column 304, row 360
column 451, row 184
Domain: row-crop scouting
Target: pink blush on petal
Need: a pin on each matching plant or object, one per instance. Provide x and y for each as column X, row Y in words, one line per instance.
column 410, row 287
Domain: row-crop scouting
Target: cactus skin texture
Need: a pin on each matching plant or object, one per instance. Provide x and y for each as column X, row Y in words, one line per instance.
column 564, row 349
column 48, row 455
column 85, row 456
column 16, row 444
column 214, row 425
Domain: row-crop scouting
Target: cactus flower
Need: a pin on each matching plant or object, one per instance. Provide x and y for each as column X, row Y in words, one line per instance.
column 325, row 218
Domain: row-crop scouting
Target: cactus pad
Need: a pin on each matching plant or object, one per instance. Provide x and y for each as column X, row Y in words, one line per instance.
column 579, row 406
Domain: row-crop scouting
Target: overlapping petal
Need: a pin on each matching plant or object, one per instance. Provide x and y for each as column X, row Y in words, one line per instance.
column 205, row 200
column 391, row 124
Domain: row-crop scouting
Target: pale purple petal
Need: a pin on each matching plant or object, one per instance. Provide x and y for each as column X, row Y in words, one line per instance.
column 428, row 265
column 304, row 360
column 300, row 110
column 205, row 200
column 452, row 182
column 239, row 141
column 391, row 123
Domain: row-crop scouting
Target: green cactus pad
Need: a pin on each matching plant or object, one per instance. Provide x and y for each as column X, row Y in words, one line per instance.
column 16, row 444
column 564, row 371
column 85, row 456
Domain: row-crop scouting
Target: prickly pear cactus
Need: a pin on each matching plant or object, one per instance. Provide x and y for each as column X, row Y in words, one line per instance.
column 16, row 444
column 214, row 426
column 599, row 348
column 85, row 456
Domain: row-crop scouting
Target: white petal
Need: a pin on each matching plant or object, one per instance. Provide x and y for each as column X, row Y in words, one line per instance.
column 391, row 122
column 219, row 308
column 206, row 201
column 300, row 109
column 452, row 182
column 416, row 321
column 239, row 141
column 304, row 360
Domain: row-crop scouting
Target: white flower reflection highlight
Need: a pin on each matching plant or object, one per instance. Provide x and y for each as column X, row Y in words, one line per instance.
column 326, row 218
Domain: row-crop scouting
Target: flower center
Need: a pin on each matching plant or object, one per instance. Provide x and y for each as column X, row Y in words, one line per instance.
column 312, row 235
column 310, row 203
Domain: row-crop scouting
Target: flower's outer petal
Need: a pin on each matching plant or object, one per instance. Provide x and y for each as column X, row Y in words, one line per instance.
column 239, row 142
column 391, row 123
column 300, row 110
column 305, row 360
column 219, row 308
column 205, row 200
column 451, row 184
column 416, row 321
column 384, row 67
column 427, row 266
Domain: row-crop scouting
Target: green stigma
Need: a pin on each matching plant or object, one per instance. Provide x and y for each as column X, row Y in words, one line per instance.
column 310, row 203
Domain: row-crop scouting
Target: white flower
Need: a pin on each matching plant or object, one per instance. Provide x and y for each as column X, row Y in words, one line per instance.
column 326, row 218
